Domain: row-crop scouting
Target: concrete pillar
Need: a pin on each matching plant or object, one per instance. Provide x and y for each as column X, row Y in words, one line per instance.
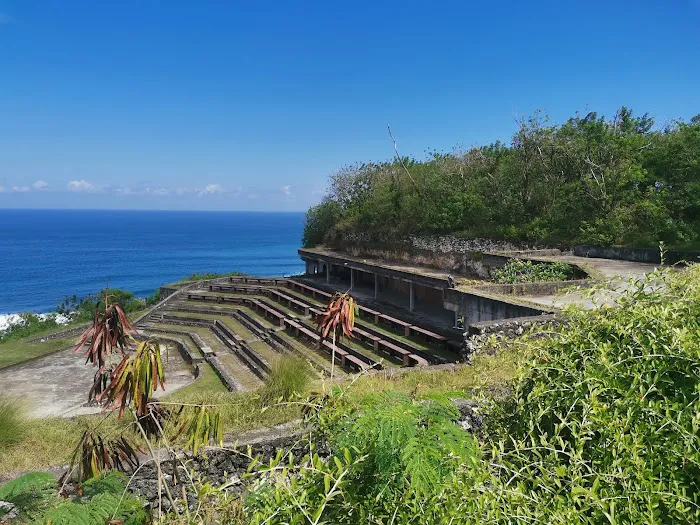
column 307, row 266
column 328, row 273
column 376, row 286
column 352, row 278
column 410, row 296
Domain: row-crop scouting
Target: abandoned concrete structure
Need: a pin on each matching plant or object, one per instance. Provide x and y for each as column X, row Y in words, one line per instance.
column 433, row 294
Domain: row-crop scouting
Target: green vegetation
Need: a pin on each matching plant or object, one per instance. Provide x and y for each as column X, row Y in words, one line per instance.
column 16, row 351
column 203, row 276
column 13, row 422
column 522, row 271
column 600, row 425
column 83, row 309
column 588, row 180
column 98, row 501
column 289, row 376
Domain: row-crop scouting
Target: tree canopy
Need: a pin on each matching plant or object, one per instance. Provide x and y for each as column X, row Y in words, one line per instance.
column 619, row 181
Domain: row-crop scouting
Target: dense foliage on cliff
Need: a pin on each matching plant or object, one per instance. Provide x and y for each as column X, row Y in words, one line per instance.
column 588, row 180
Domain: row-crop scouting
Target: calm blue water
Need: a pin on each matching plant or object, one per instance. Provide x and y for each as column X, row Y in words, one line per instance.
column 48, row 254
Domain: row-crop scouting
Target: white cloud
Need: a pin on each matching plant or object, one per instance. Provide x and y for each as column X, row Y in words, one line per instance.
column 211, row 189
column 287, row 190
column 161, row 192
column 182, row 191
column 21, row 189
column 40, row 185
column 80, row 185
column 2, row 189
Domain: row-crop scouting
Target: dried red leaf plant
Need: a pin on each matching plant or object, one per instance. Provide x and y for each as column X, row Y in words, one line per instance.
column 340, row 312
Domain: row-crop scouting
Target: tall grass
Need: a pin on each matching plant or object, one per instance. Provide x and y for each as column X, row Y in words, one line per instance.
column 288, row 376
column 13, row 421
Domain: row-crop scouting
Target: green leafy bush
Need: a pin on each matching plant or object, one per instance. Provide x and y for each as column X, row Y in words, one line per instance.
column 587, row 180
column 387, row 450
column 31, row 493
column 524, row 271
column 97, row 501
column 601, row 427
column 102, row 499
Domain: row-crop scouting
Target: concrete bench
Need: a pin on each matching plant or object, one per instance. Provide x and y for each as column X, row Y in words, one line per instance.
column 298, row 328
column 268, row 311
column 427, row 333
column 397, row 351
column 372, row 314
column 350, row 361
column 418, row 360
column 308, row 289
column 368, row 337
column 291, row 301
column 392, row 320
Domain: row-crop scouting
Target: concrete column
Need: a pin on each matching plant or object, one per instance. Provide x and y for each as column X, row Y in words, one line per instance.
column 308, row 267
column 376, row 286
column 410, row 296
column 352, row 278
column 328, row 273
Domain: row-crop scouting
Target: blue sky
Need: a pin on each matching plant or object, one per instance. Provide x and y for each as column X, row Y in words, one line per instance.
column 250, row 106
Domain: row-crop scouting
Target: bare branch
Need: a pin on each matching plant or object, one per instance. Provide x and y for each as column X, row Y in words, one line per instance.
column 398, row 157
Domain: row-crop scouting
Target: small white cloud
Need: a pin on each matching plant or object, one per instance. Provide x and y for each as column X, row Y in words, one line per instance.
column 287, row 190
column 124, row 191
column 211, row 189
column 40, row 185
column 2, row 189
column 80, row 185
column 182, row 191
column 253, row 196
column 21, row 189
column 161, row 192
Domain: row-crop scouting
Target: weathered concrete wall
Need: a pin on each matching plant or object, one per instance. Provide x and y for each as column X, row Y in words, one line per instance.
column 646, row 255
column 167, row 291
column 541, row 288
column 476, row 308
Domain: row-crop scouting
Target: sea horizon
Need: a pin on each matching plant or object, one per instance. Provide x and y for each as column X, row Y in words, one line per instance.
column 48, row 254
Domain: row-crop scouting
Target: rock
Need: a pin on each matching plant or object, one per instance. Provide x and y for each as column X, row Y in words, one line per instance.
column 8, row 512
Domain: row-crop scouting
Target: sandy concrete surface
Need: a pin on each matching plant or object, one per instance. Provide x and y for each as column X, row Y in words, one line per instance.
column 58, row 384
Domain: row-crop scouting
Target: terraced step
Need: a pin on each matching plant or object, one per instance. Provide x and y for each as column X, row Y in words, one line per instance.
column 227, row 319
column 255, row 363
column 317, row 359
column 195, row 355
column 208, row 339
column 236, row 373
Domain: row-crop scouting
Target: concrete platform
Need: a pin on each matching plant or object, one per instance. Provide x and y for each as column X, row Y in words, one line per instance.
column 58, row 384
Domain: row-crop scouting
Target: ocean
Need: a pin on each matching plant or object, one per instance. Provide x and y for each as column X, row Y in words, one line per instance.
column 46, row 255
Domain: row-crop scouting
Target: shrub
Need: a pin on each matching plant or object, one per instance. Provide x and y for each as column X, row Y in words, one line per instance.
column 31, row 493
column 289, row 375
column 601, row 427
column 523, row 271
column 12, row 422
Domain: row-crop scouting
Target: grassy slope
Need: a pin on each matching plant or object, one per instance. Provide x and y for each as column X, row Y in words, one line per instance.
column 19, row 350
column 13, row 352
column 50, row 441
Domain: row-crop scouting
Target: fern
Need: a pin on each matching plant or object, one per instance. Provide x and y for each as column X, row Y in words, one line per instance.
column 412, row 444
column 102, row 499
column 30, row 493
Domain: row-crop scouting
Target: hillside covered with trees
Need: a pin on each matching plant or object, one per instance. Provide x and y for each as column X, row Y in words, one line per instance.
column 619, row 181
